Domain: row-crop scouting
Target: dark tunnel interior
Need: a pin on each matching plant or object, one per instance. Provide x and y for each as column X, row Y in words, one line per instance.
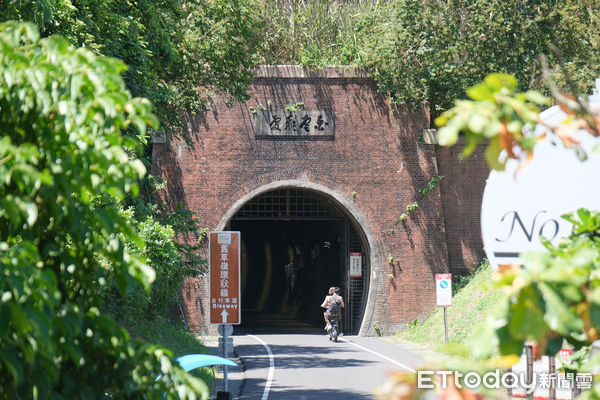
column 287, row 267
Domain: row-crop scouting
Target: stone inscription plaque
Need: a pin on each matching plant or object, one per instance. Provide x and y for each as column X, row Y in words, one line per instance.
column 281, row 123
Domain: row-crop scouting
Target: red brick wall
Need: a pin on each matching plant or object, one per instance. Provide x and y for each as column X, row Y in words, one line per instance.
column 375, row 153
column 462, row 191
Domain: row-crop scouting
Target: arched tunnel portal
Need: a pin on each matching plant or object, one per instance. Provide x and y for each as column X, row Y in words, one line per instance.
column 295, row 244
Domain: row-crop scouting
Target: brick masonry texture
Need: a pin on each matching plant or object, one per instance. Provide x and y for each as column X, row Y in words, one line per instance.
column 375, row 154
column 462, row 192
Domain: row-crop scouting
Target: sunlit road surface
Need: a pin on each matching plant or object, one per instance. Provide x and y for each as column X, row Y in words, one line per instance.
column 309, row 366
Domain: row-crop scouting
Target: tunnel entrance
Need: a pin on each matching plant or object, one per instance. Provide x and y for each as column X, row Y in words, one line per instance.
column 296, row 243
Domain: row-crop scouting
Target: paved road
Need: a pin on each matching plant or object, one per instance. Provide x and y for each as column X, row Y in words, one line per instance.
column 309, row 366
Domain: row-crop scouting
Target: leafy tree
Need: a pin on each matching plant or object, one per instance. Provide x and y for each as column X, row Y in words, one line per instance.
column 496, row 113
column 164, row 254
column 312, row 32
column 417, row 50
column 430, row 50
column 554, row 297
column 172, row 48
column 62, row 161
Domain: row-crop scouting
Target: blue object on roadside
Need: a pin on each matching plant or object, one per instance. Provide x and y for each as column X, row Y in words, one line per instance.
column 193, row 361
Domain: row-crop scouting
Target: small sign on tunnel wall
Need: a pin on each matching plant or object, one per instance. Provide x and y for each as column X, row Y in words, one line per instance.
column 224, row 275
column 300, row 123
column 443, row 289
column 355, row 265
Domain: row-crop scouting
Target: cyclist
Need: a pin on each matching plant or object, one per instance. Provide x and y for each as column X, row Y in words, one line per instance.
column 326, row 307
column 333, row 304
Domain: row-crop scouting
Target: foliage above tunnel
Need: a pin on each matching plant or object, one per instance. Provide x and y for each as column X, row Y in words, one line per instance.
column 431, row 50
column 417, row 50
column 172, row 48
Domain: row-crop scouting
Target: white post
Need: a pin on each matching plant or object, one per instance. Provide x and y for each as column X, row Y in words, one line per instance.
column 445, row 325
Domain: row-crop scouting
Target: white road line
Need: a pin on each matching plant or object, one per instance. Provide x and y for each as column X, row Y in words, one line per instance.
column 379, row 355
column 271, row 367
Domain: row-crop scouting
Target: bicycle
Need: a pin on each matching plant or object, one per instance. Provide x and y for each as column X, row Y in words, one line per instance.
column 335, row 329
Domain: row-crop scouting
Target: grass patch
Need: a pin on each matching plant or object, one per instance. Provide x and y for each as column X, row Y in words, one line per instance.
column 179, row 340
column 470, row 306
column 175, row 338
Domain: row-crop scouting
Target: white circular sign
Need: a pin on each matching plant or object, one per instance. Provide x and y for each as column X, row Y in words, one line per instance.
column 519, row 206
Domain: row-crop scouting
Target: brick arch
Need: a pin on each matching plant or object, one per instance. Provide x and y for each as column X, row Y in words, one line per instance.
column 357, row 219
column 373, row 151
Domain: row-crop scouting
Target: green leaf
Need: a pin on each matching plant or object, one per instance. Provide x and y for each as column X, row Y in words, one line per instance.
column 481, row 92
column 443, row 119
column 554, row 346
column 31, row 213
column 447, row 135
column 39, row 320
column 561, row 270
column 557, row 314
column 536, row 97
column 143, row 273
column 19, row 319
column 590, row 222
column 594, row 301
column 508, row 343
column 529, row 143
column 492, row 128
column 139, row 167
column 477, row 123
column 73, row 351
column 4, row 320
column 497, row 81
column 527, row 312
column 12, row 364
column 571, row 293
column 492, row 154
column 515, row 127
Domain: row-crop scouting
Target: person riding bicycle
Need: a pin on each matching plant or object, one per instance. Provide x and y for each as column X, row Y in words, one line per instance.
column 333, row 305
column 324, row 305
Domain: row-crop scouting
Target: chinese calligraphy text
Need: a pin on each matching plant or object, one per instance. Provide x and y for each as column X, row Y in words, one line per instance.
column 269, row 123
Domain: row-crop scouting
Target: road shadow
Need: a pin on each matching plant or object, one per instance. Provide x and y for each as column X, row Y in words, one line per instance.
column 254, row 390
column 303, row 357
column 257, row 322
